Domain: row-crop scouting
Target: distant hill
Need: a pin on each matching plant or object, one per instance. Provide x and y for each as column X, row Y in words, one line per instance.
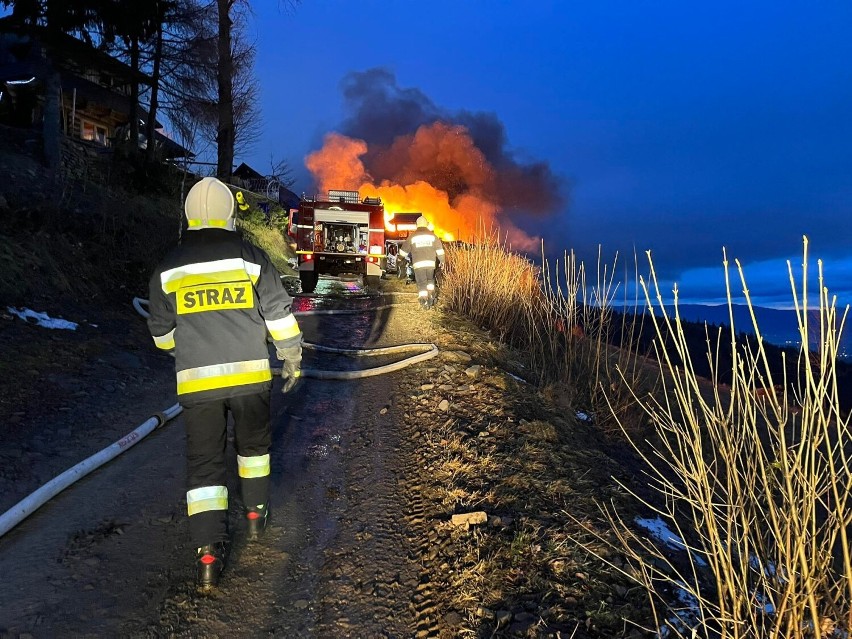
column 778, row 327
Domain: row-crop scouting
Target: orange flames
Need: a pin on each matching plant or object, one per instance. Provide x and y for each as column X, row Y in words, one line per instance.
column 437, row 171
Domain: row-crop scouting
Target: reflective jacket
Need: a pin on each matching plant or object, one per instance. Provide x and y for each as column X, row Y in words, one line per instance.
column 422, row 248
column 213, row 300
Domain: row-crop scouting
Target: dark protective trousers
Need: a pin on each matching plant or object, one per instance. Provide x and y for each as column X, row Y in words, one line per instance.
column 425, row 278
column 206, row 441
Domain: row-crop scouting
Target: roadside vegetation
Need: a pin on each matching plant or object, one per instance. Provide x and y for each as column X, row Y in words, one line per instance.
column 102, row 236
column 748, row 468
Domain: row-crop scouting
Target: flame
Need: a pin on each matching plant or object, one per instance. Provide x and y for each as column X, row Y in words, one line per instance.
column 438, row 171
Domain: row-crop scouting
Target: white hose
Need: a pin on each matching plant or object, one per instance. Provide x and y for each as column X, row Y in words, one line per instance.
column 24, row 508
column 366, row 372
column 431, row 351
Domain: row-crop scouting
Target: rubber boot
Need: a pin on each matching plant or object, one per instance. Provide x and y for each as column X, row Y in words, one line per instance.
column 424, row 302
column 256, row 519
column 210, row 563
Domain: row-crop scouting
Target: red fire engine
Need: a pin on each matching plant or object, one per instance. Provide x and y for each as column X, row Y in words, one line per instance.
column 339, row 233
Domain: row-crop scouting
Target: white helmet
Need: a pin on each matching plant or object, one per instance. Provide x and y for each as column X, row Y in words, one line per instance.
column 210, row 204
column 422, row 222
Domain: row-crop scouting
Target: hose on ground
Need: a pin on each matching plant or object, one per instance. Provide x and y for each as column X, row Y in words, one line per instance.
column 35, row 500
column 24, row 508
column 430, row 350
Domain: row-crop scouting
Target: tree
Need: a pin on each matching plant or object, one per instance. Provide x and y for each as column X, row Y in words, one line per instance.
column 281, row 171
column 225, row 77
column 193, row 86
column 140, row 24
column 56, row 18
column 134, row 22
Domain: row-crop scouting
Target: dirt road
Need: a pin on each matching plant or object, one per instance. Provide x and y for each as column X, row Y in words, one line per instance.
column 109, row 556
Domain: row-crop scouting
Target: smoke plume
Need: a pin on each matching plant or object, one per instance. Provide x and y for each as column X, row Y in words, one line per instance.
column 456, row 168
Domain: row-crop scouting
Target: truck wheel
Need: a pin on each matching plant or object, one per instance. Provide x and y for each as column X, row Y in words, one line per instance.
column 372, row 281
column 309, row 281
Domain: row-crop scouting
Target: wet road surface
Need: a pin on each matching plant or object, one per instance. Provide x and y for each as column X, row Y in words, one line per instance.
column 109, row 556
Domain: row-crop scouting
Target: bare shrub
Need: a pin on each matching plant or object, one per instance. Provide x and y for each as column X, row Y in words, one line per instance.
column 755, row 481
column 564, row 324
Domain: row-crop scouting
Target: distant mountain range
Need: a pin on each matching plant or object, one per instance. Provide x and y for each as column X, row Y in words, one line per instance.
column 778, row 327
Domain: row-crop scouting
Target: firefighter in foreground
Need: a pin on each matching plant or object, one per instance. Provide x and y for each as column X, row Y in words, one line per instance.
column 213, row 300
column 421, row 249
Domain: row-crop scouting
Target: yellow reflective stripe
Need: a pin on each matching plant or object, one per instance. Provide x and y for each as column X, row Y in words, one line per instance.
column 424, row 263
column 199, row 500
column 283, row 328
column 403, row 253
column 165, row 342
column 188, row 281
column 229, row 270
column 430, row 287
column 194, row 380
column 216, row 223
column 253, row 466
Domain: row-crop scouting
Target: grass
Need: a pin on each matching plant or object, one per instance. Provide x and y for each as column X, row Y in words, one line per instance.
column 101, row 242
column 756, row 483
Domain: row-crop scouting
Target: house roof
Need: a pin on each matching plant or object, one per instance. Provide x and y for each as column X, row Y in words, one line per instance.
column 66, row 51
column 245, row 172
column 287, row 198
column 170, row 148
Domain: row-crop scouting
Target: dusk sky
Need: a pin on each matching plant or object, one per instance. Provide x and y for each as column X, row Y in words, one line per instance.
column 677, row 127
column 674, row 126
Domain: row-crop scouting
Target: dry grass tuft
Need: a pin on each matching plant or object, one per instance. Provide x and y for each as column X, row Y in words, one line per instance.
column 756, row 484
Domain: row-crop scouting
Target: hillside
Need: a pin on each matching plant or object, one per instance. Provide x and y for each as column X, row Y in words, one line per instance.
column 97, row 236
column 452, row 498
column 777, row 326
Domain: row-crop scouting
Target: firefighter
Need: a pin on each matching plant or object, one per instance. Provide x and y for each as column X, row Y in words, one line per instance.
column 421, row 249
column 213, row 300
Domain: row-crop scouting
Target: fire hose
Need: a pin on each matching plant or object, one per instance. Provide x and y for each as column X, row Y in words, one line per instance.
column 35, row 500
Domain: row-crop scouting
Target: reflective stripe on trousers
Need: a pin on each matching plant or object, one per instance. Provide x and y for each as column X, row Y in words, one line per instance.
column 199, row 500
column 250, row 467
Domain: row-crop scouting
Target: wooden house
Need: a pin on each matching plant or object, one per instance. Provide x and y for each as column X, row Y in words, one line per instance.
column 95, row 106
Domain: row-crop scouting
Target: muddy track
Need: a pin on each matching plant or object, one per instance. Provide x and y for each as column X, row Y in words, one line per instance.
column 367, row 477
column 350, row 550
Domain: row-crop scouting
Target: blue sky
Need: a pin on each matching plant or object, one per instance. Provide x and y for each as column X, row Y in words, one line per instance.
column 670, row 126
column 675, row 127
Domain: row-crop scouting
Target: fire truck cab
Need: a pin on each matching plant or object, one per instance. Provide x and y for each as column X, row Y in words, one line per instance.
column 339, row 233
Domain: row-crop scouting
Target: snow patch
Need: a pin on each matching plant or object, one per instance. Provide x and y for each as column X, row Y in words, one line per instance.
column 42, row 319
column 658, row 528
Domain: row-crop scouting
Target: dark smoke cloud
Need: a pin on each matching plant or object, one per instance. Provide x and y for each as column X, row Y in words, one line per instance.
column 387, row 116
column 380, row 110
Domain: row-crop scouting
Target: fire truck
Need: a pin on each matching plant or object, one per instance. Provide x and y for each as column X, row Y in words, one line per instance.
column 339, row 233
column 401, row 225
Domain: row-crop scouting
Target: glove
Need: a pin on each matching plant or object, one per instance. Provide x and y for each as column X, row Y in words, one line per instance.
column 291, row 369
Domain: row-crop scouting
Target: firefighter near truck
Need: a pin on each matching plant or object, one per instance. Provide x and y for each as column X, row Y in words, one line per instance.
column 339, row 233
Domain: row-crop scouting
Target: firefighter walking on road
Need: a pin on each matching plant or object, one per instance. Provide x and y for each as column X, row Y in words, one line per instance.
column 421, row 249
column 213, row 300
